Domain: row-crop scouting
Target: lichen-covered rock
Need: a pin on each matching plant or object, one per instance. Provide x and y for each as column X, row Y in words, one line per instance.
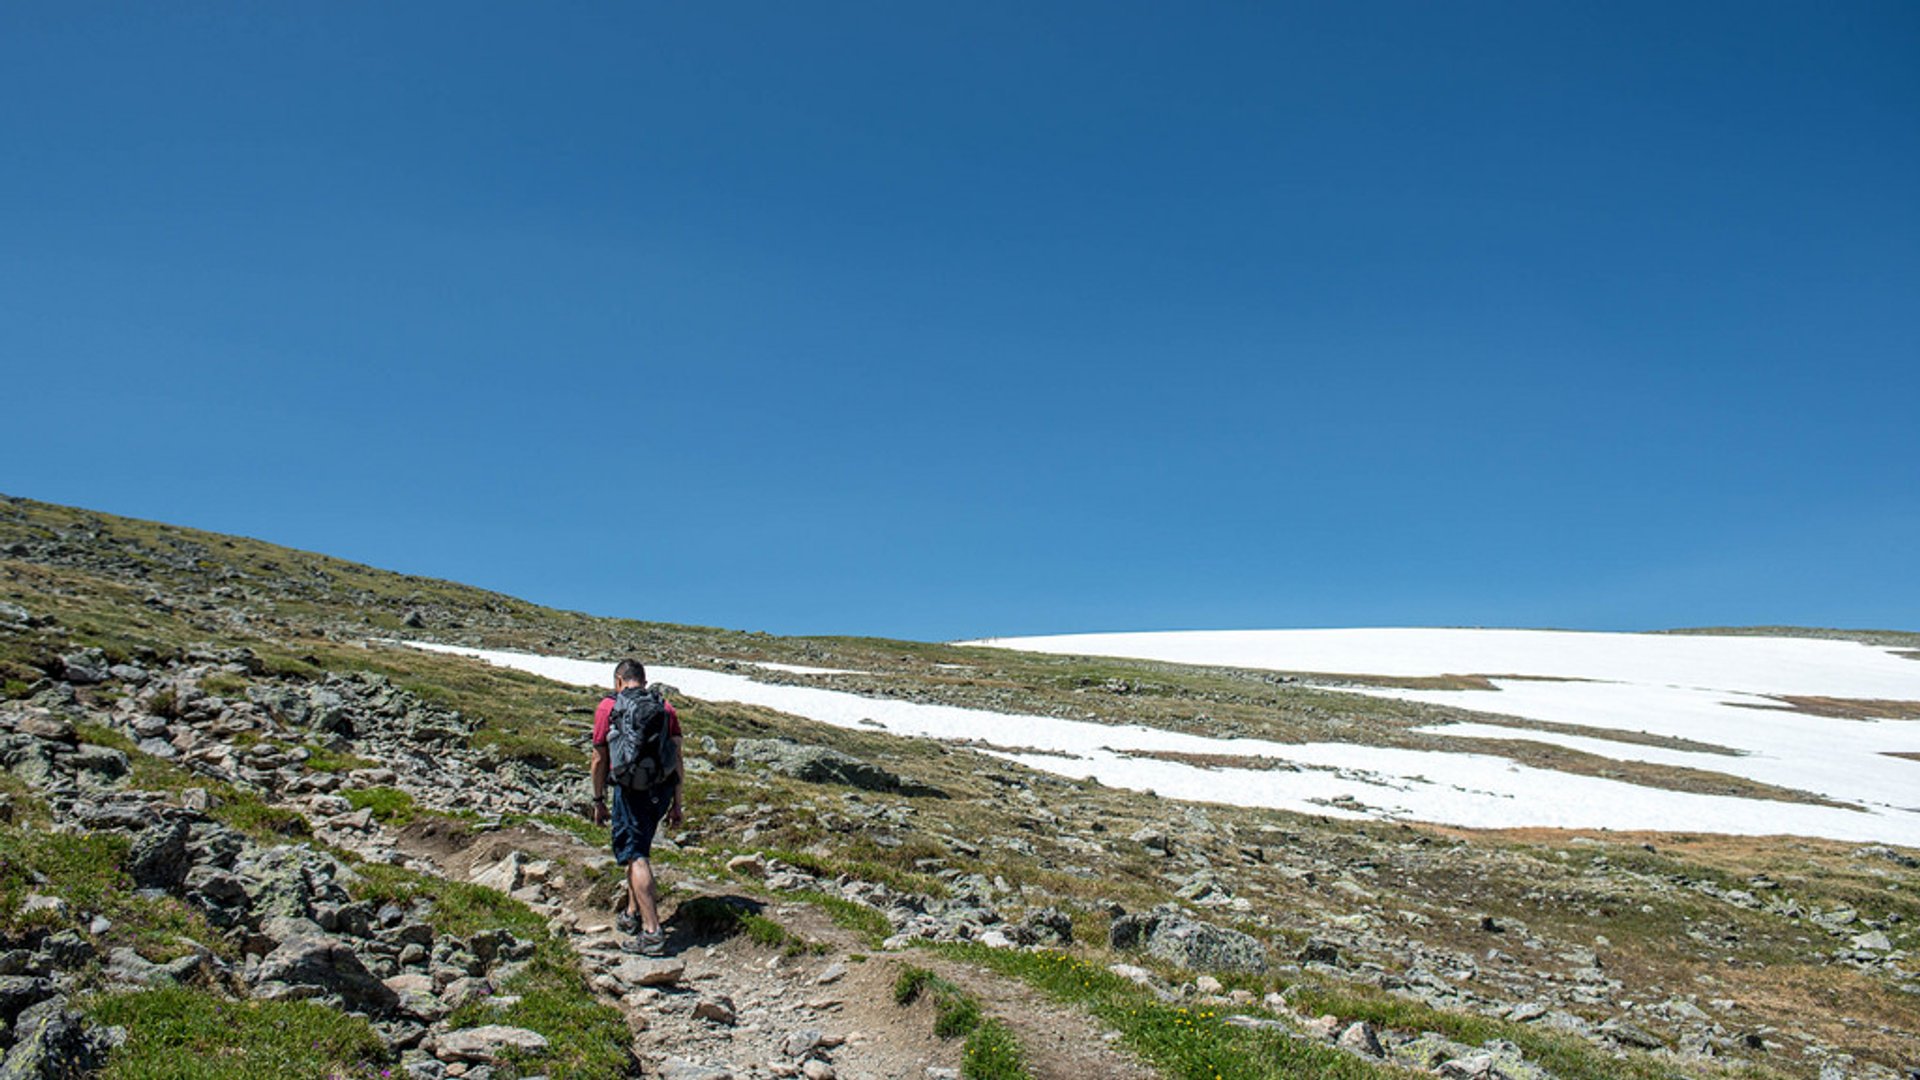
column 815, row 764
column 158, row 858
column 315, row 966
column 52, row 1043
column 1172, row 935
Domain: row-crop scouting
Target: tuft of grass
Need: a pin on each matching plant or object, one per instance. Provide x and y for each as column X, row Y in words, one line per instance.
column 863, row 920
column 252, row 815
column 955, row 1013
column 992, row 1053
column 179, row 1033
column 390, row 805
column 226, row 686
column 455, row 907
column 909, row 983
column 327, row 760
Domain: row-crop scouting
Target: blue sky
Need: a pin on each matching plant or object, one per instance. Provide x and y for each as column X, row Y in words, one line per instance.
column 955, row 320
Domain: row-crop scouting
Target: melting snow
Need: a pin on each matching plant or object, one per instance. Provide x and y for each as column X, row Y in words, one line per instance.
column 1333, row 779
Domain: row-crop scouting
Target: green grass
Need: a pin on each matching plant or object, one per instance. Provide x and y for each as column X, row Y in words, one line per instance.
column 390, row 805
column 992, row 1053
column 1183, row 1043
column 859, row 918
column 326, row 760
column 223, row 685
column 594, row 836
column 87, row 871
column 177, row 1033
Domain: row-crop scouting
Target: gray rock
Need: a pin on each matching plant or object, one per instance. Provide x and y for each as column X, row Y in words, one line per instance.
column 17, row 992
column 51, row 1043
column 716, row 1010
column 815, row 764
column 486, row 1044
column 328, row 966
column 84, row 667
column 1360, row 1038
column 1171, row 934
column 1047, row 926
column 675, row 1068
column 801, row 1042
column 99, row 762
column 1627, row 1033
column 647, row 971
column 158, row 858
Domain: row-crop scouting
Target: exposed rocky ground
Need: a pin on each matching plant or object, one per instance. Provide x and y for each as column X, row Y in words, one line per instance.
column 298, row 814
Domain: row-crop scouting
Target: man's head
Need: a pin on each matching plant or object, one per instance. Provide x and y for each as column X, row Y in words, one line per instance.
column 629, row 673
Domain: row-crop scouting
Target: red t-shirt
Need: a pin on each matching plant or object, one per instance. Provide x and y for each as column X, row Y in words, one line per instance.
column 603, row 715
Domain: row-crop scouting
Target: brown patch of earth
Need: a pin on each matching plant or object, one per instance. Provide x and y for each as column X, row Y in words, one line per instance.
column 1842, row 708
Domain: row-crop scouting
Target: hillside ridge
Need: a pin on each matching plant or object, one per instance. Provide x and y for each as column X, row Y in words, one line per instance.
column 311, row 814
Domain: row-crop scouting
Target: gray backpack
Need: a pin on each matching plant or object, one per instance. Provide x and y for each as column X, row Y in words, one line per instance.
column 639, row 752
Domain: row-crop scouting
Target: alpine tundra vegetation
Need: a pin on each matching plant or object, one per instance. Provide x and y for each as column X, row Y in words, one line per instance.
column 267, row 813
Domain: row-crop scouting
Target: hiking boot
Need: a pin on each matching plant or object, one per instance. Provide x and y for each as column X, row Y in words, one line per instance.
column 652, row 942
column 627, row 923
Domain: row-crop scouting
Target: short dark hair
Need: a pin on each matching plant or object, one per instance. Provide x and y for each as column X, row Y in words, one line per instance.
column 630, row 671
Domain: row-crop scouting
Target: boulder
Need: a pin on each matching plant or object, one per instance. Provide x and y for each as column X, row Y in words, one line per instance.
column 320, row 965
column 648, row 971
column 1171, row 934
column 52, row 1043
column 814, row 764
column 158, row 858
column 504, row 875
column 84, row 667
column 17, row 992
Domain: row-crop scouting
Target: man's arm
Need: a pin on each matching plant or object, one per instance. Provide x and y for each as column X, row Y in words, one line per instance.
column 675, row 814
column 599, row 772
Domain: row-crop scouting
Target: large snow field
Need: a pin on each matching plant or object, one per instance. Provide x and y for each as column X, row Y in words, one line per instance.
column 1718, row 690
column 1333, row 779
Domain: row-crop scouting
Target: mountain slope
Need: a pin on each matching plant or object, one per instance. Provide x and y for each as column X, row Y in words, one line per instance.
column 1581, row 954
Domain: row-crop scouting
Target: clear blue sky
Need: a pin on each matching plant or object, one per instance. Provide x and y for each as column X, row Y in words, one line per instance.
column 963, row 319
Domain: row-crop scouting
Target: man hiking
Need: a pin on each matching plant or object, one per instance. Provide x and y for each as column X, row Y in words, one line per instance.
column 636, row 753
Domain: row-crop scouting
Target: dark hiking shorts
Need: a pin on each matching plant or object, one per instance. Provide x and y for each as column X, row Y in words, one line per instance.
column 636, row 817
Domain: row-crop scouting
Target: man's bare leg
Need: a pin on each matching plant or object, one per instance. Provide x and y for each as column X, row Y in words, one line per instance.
column 641, row 897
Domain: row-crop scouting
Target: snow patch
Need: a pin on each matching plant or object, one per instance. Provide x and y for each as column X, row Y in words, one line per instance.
column 1336, row 779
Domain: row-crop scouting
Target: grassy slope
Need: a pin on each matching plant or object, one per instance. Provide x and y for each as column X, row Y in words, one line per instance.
column 306, row 614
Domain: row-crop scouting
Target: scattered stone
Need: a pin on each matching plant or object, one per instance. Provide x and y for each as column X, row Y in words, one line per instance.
column 800, row 1042
column 716, row 1010
column 649, row 971
column 1361, row 1038
column 485, row 1044
column 681, row 1069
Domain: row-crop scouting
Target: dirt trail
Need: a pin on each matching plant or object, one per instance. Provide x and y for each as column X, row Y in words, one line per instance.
column 749, row 1010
